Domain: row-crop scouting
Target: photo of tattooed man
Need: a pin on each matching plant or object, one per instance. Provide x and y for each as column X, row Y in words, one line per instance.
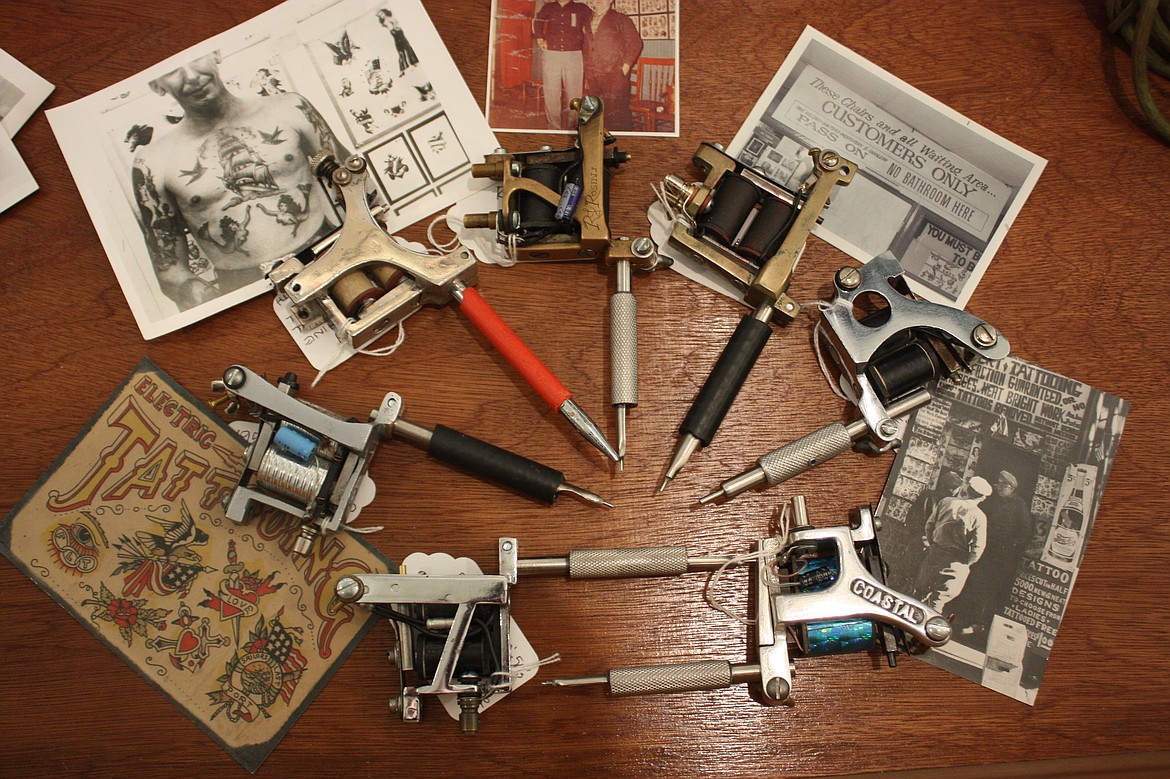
column 226, row 189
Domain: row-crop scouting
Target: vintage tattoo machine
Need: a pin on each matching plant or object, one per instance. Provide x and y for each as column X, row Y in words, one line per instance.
column 363, row 282
column 554, row 205
column 821, row 590
column 309, row 462
column 752, row 230
column 453, row 633
column 885, row 360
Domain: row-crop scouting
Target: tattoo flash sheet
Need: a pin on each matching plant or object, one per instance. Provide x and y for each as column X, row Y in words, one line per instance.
column 195, row 171
column 127, row 532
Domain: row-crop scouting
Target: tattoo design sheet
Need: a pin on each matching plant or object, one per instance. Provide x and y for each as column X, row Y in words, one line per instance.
column 195, row 171
column 1046, row 443
column 127, row 532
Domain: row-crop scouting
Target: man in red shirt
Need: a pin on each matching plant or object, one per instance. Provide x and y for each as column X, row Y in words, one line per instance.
column 559, row 31
column 612, row 46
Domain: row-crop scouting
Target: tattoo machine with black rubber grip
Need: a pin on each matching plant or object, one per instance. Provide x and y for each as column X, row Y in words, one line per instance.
column 362, row 282
column 753, row 231
column 309, row 462
column 885, row 359
column 554, row 205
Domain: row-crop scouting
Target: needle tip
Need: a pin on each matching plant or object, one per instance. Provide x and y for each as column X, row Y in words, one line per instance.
column 703, row 501
column 607, row 504
column 665, row 481
column 621, row 464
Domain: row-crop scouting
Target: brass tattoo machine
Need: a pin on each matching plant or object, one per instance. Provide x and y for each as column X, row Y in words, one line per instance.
column 752, row 230
column 554, row 205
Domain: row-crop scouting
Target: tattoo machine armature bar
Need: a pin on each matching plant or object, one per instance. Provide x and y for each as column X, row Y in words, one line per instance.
column 885, row 357
column 752, row 230
column 821, row 590
column 365, row 282
column 309, row 462
column 554, row 205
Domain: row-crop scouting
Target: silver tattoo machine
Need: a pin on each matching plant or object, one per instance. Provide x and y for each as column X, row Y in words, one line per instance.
column 309, row 462
column 816, row 592
column 885, row 357
column 452, row 634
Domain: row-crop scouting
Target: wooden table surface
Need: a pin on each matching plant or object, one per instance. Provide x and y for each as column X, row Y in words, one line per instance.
column 1078, row 285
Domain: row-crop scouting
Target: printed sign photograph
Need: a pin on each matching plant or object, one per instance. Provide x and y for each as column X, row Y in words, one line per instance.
column 546, row 53
column 988, row 510
column 196, row 171
column 934, row 188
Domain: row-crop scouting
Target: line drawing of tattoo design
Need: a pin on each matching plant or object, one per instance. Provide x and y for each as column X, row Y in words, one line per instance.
column 395, row 167
column 363, row 118
column 288, row 211
column 437, row 142
column 235, row 234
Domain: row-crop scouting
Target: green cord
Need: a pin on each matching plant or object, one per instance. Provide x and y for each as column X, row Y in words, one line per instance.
column 1145, row 36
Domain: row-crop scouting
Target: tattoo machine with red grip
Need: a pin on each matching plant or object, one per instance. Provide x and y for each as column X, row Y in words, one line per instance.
column 362, row 282
column 309, row 462
column 554, row 205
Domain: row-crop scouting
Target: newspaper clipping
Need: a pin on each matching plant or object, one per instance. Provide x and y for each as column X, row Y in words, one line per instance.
column 988, row 510
column 934, row 188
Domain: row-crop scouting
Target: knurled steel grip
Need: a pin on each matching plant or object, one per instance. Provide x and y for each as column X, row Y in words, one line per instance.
column 682, row 677
column 619, row 563
column 623, row 357
column 793, row 459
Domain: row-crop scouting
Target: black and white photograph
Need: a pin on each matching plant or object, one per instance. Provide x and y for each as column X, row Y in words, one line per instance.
column 988, row 509
column 933, row 187
column 210, row 149
column 16, row 182
column 21, row 92
column 546, row 53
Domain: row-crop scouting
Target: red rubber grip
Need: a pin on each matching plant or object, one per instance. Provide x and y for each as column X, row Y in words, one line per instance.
column 515, row 351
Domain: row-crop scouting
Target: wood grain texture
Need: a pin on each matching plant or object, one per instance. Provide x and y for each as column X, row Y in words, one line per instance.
column 1078, row 285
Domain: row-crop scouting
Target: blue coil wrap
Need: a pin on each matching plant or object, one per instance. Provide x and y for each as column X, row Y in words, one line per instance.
column 838, row 637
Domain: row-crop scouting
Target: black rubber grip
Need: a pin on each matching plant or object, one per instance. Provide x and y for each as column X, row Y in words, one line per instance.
column 495, row 464
column 728, row 375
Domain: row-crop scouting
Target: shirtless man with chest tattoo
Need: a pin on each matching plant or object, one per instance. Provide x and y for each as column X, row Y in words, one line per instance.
column 234, row 176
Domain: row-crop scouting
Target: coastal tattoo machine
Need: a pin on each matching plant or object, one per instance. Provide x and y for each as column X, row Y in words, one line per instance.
column 554, row 205
column 885, row 359
column 753, row 230
column 821, row 590
column 309, row 462
column 362, row 283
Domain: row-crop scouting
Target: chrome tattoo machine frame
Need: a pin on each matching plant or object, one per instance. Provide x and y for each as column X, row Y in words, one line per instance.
column 554, row 205
column 305, row 461
column 452, row 633
column 822, row 590
column 887, row 356
column 360, row 280
column 753, row 230
column 309, row 462
column 363, row 283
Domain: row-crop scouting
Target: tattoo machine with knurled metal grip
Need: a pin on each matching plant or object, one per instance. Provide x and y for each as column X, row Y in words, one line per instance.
column 885, row 359
column 554, row 205
column 309, row 462
column 362, row 282
column 820, row 589
column 753, row 231
column 453, row 633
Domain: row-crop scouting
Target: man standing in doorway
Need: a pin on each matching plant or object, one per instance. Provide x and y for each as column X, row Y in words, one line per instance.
column 956, row 535
column 559, row 29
